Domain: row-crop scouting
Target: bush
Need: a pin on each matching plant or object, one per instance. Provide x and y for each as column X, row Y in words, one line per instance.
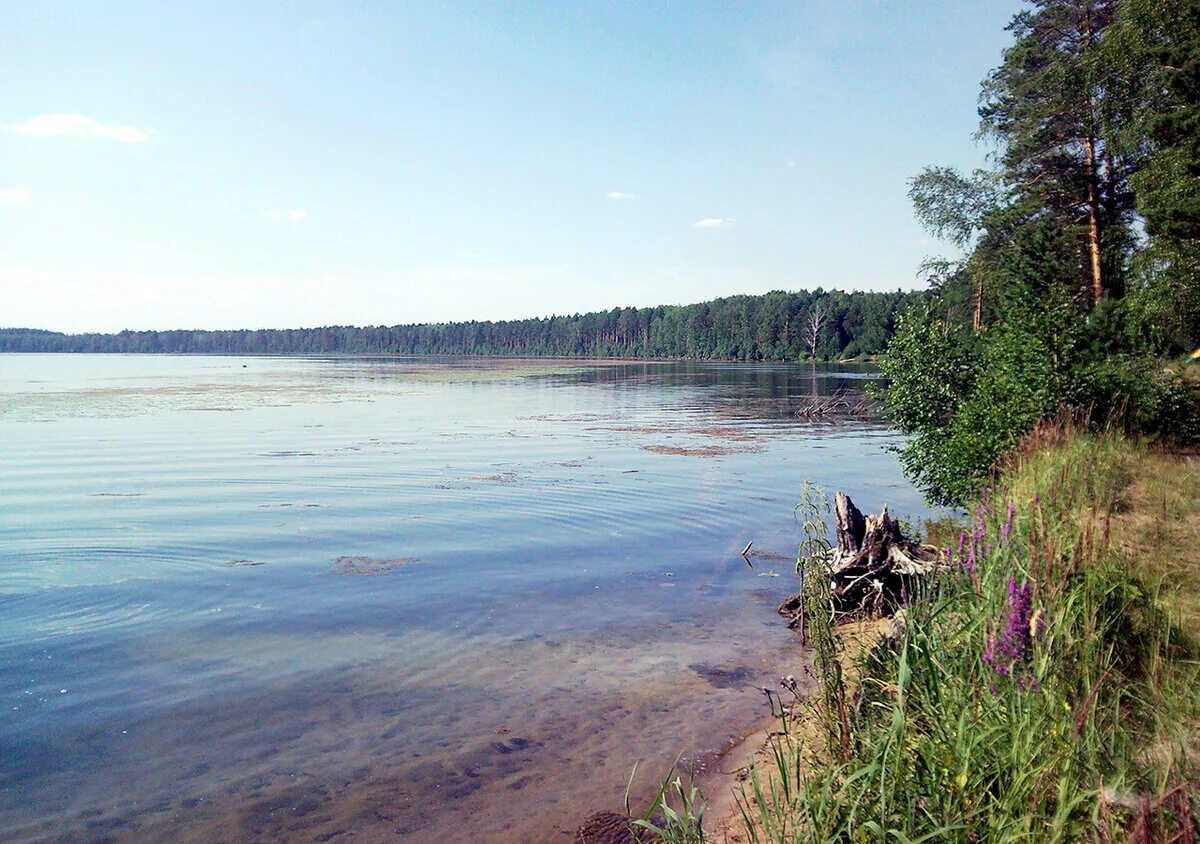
column 964, row 399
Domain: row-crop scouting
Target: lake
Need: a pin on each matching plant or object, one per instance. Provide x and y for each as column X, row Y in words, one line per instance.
column 424, row 600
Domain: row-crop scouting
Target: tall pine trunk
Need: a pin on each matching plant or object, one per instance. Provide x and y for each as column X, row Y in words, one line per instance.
column 977, row 318
column 1089, row 163
column 1093, row 211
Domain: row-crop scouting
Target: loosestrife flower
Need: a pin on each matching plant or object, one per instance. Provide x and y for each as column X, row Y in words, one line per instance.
column 1006, row 528
column 1012, row 647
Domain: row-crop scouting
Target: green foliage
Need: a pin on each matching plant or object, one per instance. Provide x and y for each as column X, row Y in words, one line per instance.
column 1058, row 304
column 966, row 399
column 924, row 398
column 1043, row 105
column 675, row 814
column 1015, row 388
column 1081, row 733
column 1155, row 49
column 774, row 326
column 951, row 205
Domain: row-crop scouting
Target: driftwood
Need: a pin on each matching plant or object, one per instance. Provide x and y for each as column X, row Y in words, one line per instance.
column 873, row 566
column 837, row 404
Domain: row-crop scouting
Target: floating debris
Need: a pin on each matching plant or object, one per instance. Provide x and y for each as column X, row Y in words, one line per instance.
column 501, row 478
column 699, row 451
column 356, row 564
column 764, row 554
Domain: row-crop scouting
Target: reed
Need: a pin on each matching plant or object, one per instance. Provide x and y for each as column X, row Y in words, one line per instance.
column 1039, row 689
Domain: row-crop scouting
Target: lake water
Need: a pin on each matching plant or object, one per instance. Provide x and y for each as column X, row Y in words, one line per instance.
column 263, row 599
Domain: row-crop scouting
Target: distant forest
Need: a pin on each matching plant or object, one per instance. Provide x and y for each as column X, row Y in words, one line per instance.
column 773, row 326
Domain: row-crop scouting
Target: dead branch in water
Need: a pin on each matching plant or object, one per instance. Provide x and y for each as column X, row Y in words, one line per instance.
column 837, row 404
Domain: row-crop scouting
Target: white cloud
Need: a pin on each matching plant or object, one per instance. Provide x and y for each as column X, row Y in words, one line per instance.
column 295, row 215
column 791, row 162
column 14, row 194
column 45, row 125
column 616, row 194
column 714, row 223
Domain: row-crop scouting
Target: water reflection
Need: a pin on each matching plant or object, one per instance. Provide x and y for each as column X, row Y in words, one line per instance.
column 546, row 585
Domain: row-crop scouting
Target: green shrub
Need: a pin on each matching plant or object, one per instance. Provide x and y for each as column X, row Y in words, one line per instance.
column 964, row 399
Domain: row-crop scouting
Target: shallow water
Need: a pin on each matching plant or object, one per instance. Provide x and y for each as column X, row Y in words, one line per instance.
column 263, row 598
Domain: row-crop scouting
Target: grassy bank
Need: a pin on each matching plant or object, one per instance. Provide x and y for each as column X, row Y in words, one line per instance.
column 1044, row 687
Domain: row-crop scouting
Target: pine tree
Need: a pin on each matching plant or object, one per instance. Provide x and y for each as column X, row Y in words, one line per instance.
column 1044, row 105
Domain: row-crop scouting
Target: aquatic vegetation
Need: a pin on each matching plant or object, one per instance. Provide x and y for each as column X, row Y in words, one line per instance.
column 498, row 478
column 675, row 814
column 358, row 564
column 696, row 451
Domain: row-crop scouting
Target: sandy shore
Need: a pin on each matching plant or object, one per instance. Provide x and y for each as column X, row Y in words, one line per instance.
column 726, row 789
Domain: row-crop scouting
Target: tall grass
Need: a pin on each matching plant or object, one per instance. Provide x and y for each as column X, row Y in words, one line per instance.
column 1033, row 691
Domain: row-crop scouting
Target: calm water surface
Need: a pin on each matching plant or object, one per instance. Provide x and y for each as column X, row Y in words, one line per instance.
column 262, row 599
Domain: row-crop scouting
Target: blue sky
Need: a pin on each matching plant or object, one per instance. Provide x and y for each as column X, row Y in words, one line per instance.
column 227, row 165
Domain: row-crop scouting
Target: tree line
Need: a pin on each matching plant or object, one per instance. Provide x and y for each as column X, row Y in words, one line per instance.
column 1080, row 274
column 774, row 326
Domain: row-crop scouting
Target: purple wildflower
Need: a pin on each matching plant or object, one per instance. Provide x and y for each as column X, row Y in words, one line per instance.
column 962, row 540
column 970, row 563
column 1014, row 644
column 1006, row 528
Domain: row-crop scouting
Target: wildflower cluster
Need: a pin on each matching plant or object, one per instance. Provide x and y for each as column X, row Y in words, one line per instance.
column 1010, row 649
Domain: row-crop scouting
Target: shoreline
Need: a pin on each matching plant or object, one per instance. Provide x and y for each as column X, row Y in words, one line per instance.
column 725, row 787
column 867, row 360
column 979, row 735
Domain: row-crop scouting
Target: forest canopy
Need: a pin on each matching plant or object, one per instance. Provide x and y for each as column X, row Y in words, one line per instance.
column 1080, row 270
column 774, row 326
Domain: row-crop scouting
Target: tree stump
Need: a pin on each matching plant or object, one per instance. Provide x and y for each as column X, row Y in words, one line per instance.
column 873, row 567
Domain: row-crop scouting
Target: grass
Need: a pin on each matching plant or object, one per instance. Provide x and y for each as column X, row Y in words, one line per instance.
column 1159, row 528
column 1042, row 688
